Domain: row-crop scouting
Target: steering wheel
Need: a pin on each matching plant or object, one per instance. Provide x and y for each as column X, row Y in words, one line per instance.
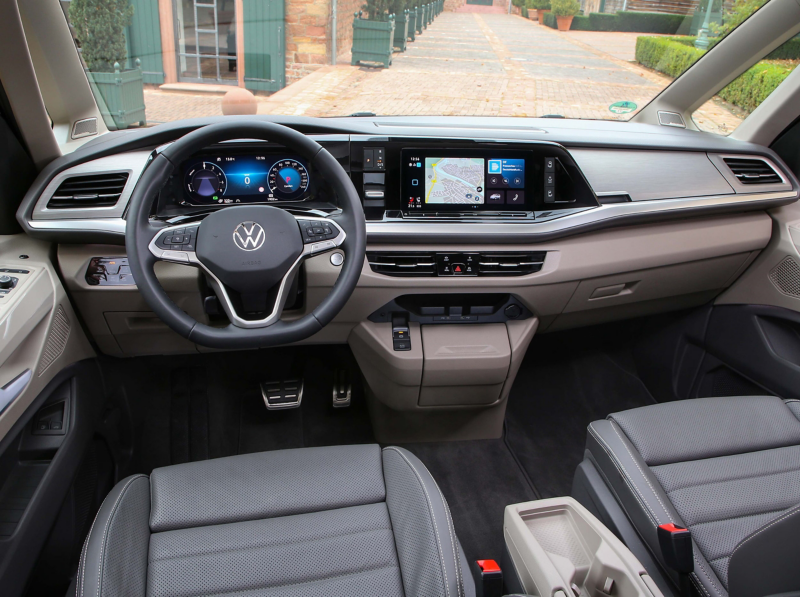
column 251, row 254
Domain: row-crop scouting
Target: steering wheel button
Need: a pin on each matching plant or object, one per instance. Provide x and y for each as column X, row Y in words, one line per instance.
column 176, row 256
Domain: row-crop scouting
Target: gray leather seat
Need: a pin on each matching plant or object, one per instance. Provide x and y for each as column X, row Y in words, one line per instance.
column 348, row 520
column 726, row 468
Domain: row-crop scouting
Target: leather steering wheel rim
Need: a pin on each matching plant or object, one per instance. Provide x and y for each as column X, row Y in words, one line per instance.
column 140, row 232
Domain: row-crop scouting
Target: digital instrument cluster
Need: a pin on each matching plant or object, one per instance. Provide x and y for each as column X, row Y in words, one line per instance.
column 244, row 178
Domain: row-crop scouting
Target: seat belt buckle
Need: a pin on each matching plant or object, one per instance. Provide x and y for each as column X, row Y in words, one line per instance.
column 676, row 547
column 488, row 578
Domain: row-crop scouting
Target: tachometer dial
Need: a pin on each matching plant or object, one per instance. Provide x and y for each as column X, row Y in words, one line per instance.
column 288, row 179
column 206, row 181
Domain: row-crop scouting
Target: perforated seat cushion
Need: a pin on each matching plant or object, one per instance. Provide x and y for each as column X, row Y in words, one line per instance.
column 722, row 467
column 344, row 521
column 320, row 553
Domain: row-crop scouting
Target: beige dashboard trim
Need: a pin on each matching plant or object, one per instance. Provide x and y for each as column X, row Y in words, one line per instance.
column 519, row 231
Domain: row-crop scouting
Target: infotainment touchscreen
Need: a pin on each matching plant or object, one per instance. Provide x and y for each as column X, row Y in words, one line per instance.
column 463, row 181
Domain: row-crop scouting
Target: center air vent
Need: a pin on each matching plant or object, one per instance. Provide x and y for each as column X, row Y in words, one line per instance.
column 95, row 190
column 403, row 264
column 512, row 263
column 752, row 171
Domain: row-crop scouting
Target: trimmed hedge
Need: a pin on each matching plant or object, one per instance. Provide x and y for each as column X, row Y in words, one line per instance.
column 790, row 50
column 639, row 22
column 550, row 20
column 665, row 54
column 753, row 86
column 673, row 55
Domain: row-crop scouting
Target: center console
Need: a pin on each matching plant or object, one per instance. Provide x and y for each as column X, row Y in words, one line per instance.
column 556, row 547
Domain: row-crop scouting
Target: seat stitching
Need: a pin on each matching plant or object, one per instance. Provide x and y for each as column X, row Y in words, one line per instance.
column 256, row 547
column 623, row 471
column 731, row 479
column 450, row 526
column 452, row 536
column 699, row 585
column 433, row 518
column 85, row 553
column 296, row 584
column 737, row 517
column 107, row 526
column 708, row 576
column 650, row 485
column 792, row 512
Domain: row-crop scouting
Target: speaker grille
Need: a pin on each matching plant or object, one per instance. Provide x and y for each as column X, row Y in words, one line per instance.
column 84, row 128
column 786, row 277
column 56, row 340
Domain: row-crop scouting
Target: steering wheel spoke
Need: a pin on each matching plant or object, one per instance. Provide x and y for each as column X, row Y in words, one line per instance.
column 319, row 234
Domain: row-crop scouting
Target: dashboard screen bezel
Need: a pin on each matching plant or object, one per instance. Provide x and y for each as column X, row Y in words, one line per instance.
column 531, row 188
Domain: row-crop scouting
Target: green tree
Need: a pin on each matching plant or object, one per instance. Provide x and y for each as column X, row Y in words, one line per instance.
column 565, row 8
column 100, row 29
column 740, row 10
column 376, row 10
column 396, row 7
column 539, row 4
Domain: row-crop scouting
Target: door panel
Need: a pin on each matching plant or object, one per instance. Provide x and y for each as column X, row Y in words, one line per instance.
column 39, row 332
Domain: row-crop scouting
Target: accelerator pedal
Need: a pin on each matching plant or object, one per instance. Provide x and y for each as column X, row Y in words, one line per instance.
column 282, row 394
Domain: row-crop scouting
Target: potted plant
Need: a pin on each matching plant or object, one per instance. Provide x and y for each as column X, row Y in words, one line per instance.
column 373, row 38
column 412, row 19
column 397, row 7
column 100, row 30
column 539, row 7
column 565, row 11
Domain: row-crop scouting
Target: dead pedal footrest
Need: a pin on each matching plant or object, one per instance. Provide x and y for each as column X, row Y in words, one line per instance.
column 282, row 394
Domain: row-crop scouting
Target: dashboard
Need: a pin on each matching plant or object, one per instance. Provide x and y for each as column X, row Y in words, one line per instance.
column 571, row 222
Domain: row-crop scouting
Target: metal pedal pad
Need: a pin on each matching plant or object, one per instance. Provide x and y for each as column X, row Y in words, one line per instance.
column 282, row 394
column 342, row 389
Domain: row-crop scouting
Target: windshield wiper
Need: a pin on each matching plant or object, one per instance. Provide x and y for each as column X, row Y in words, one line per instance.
column 362, row 114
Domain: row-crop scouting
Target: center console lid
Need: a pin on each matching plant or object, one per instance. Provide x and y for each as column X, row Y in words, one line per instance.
column 559, row 549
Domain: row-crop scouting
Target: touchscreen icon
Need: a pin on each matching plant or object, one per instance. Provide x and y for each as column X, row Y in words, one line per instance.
column 515, row 198
column 495, row 166
column 415, row 182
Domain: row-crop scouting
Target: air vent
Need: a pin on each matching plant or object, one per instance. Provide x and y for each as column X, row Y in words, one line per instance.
column 752, row 171
column 403, row 264
column 510, row 264
column 95, row 190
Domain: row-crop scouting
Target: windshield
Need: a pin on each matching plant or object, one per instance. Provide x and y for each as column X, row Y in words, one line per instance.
column 155, row 61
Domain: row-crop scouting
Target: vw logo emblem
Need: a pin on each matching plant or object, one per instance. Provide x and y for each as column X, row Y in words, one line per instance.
column 249, row 236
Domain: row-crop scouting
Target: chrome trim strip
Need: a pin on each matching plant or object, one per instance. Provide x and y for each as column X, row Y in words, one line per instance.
column 532, row 228
column 13, row 389
column 190, row 258
column 718, row 159
column 132, row 162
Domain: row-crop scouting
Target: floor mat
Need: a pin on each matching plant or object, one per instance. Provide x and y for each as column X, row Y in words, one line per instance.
column 194, row 407
column 567, row 380
column 478, row 479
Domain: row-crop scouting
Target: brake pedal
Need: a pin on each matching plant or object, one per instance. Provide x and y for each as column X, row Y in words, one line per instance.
column 282, row 394
column 342, row 389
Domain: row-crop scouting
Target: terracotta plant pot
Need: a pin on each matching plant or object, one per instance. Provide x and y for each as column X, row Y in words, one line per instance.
column 533, row 14
column 564, row 23
column 540, row 15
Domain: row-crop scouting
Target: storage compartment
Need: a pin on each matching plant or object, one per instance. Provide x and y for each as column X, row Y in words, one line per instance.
column 450, row 382
column 463, row 364
column 559, row 548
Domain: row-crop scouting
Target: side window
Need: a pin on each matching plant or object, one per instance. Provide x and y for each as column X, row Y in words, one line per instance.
column 745, row 93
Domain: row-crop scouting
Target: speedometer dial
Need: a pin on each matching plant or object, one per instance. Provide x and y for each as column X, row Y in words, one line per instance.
column 206, row 181
column 288, row 179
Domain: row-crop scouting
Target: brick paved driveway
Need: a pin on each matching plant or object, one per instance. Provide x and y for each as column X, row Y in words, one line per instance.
column 473, row 64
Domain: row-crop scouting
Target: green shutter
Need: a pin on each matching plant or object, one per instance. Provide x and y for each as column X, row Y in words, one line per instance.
column 264, row 45
column 144, row 40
